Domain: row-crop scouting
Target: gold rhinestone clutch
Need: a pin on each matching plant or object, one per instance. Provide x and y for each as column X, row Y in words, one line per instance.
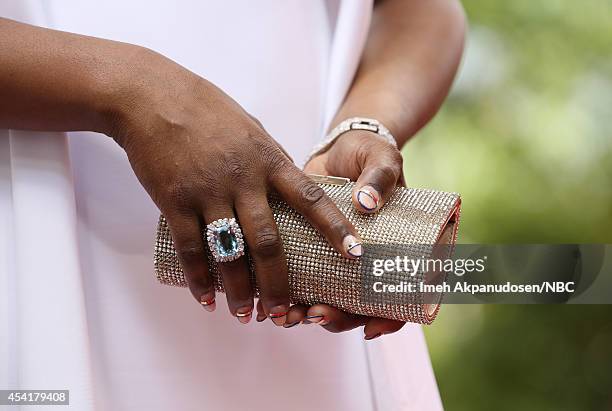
column 416, row 218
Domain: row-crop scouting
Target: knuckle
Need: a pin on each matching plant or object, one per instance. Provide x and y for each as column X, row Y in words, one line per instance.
column 276, row 166
column 256, row 120
column 267, row 242
column 235, row 168
column 190, row 252
column 337, row 226
column 229, row 164
column 389, row 173
column 181, row 193
column 273, row 157
column 310, row 193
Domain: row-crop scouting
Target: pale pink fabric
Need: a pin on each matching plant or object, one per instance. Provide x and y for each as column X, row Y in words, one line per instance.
column 79, row 305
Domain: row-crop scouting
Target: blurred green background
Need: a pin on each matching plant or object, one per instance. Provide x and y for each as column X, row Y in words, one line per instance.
column 526, row 138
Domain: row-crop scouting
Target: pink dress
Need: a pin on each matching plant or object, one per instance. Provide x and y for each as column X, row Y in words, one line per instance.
column 79, row 305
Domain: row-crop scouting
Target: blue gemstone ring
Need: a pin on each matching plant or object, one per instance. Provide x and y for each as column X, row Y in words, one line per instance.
column 225, row 240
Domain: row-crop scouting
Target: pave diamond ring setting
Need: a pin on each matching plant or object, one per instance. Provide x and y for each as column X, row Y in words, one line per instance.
column 225, row 240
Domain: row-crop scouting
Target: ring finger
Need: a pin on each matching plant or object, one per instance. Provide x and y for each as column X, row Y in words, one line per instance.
column 227, row 247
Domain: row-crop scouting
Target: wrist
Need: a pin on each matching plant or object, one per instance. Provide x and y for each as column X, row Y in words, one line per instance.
column 361, row 124
column 118, row 88
column 380, row 106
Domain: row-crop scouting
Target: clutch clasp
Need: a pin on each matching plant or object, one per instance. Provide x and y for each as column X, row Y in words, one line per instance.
column 336, row 181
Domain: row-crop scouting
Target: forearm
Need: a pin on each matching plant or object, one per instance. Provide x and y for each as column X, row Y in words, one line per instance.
column 410, row 60
column 52, row 80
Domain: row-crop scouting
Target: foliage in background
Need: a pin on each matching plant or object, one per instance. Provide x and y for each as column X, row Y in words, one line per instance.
column 526, row 138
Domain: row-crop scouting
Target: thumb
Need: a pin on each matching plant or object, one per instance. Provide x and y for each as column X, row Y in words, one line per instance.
column 381, row 173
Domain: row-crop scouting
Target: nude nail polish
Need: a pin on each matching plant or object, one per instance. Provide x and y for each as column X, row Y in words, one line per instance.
column 352, row 246
column 368, row 198
column 208, row 302
column 244, row 314
column 314, row 319
column 278, row 315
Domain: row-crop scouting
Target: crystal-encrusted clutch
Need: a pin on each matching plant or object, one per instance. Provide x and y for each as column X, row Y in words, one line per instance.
column 412, row 220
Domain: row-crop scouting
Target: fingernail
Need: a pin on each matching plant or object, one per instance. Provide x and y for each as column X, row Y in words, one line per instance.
column 260, row 317
column 313, row 319
column 208, row 302
column 291, row 324
column 352, row 246
column 244, row 314
column 278, row 314
column 368, row 198
column 371, row 337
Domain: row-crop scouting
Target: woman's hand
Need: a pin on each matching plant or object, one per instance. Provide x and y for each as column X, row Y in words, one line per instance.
column 376, row 165
column 408, row 65
column 201, row 157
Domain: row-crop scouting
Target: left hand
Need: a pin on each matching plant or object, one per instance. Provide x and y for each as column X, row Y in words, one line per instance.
column 377, row 167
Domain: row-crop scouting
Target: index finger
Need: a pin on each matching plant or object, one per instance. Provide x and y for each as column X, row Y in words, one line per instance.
column 307, row 198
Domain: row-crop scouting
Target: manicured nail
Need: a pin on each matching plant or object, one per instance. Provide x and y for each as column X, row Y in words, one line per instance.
column 352, row 246
column 371, row 337
column 278, row 314
column 289, row 325
column 244, row 314
column 260, row 317
column 313, row 319
column 368, row 198
column 208, row 302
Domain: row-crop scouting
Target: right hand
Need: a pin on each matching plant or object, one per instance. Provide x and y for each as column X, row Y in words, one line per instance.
column 202, row 157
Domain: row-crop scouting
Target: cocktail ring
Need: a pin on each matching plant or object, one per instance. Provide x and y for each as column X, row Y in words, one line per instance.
column 225, row 240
